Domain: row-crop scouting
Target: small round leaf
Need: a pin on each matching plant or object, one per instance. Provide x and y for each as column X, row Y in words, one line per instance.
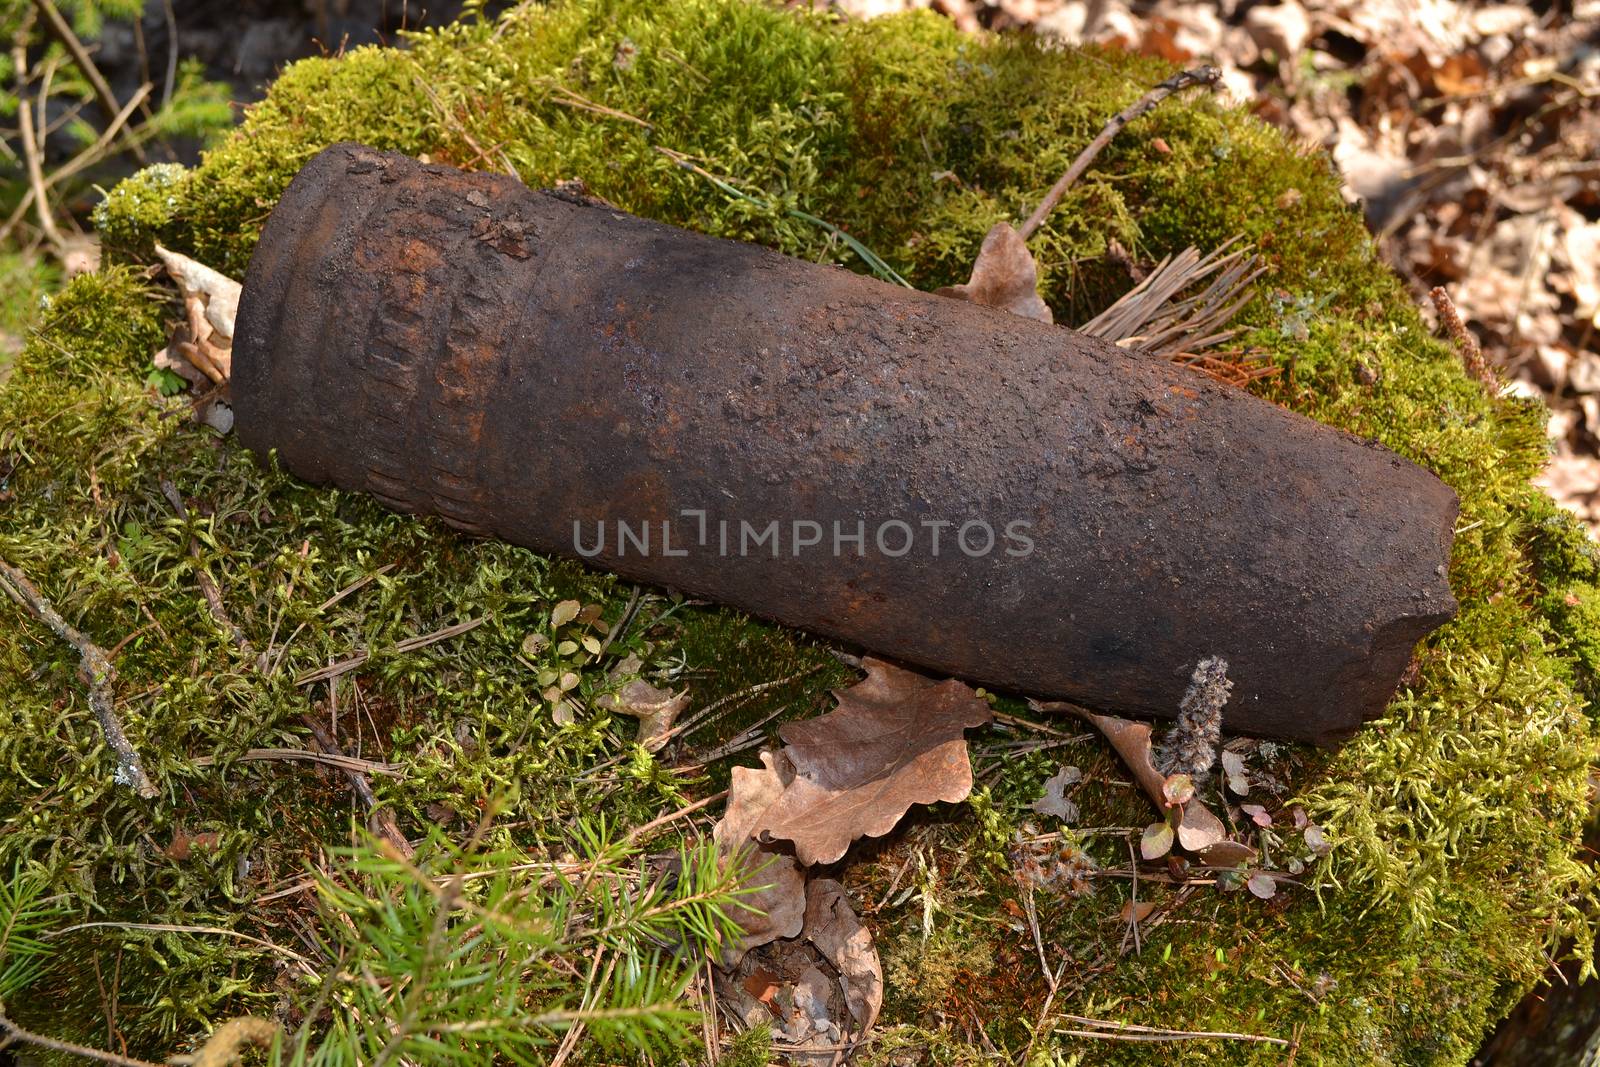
column 1178, row 789
column 1156, row 842
column 564, row 612
column 1262, row 885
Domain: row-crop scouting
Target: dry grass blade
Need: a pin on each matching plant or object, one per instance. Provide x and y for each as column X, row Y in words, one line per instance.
column 182, row 928
column 1154, row 317
column 1111, row 1030
column 348, row 764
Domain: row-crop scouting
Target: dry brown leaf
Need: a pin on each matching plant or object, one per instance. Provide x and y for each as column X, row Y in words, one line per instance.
column 832, row 926
column 205, row 341
column 777, row 910
column 220, row 292
column 1136, row 913
column 1055, row 801
column 656, row 709
column 894, row 740
column 1004, row 276
column 763, row 985
column 177, row 363
column 819, row 990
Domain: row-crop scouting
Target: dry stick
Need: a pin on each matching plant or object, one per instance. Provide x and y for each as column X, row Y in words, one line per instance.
column 1133, row 903
column 617, row 630
column 30, row 147
column 1176, row 83
column 699, row 717
column 61, row 30
column 96, row 672
column 569, row 1040
column 11, row 1033
column 171, row 79
column 708, row 1014
column 749, row 737
column 223, row 1046
column 79, row 162
column 1466, row 344
column 1038, row 939
column 1185, row 893
column 410, row 644
column 1054, row 981
column 642, row 833
column 380, row 820
column 458, row 127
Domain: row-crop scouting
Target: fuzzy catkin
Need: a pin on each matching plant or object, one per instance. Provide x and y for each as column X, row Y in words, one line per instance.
column 1190, row 747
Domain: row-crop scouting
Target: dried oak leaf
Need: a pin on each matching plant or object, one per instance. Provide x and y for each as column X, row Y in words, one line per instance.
column 778, row 909
column 219, row 292
column 656, row 709
column 1004, row 276
column 817, row 990
column 1055, row 800
column 894, row 740
column 832, row 926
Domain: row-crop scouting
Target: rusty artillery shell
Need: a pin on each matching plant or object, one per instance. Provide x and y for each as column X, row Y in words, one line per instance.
column 979, row 494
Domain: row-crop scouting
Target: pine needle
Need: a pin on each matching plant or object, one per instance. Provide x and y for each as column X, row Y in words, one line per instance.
column 1156, row 317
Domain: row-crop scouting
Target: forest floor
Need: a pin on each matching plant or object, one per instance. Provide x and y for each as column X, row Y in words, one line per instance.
column 484, row 673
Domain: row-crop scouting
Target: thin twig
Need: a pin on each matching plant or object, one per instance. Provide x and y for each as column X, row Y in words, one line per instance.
column 640, row 833
column 621, row 625
column 1038, row 939
column 222, row 1047
column 708, row 1012
column 171, row 79
column 1054, row 981
column 354, row 586
column 61, row 30
column 459, row 128
column 410, row 644
column 749, row 737
column 694, row 721
column 300, row 755
column 1180, row 81
column 1029, row 724
column 96, row 672
column 1133, row 903
column 82, row 160
column 173, row 928
column 1151, row 318
column 1115, row 1031
column 11, row 1033
column 569, row 1040
column 380, row 820
column 30, row 147
column 876, row 263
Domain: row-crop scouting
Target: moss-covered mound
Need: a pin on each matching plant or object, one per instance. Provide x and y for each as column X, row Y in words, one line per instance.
column 1455, row 820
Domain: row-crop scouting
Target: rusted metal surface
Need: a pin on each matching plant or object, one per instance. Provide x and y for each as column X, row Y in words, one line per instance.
column 524, row 366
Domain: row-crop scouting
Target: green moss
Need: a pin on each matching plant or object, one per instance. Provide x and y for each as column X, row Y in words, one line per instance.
column 1456, row 818
column 144, row 209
